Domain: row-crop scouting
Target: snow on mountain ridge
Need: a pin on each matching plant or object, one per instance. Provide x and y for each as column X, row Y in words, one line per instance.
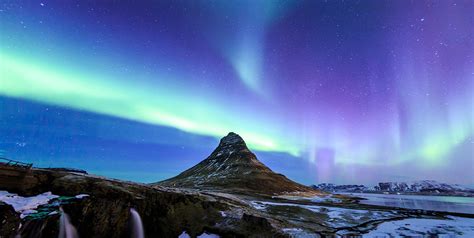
column 421, row 186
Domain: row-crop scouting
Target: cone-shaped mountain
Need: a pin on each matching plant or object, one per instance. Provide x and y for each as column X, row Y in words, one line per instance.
column 232, row 167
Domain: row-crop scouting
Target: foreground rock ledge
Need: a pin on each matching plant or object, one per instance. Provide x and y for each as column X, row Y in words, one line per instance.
column 106, row 212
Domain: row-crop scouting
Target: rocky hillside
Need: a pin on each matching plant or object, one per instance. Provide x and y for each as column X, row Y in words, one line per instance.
column 232, row 167
column 427, row 187
column 330, row 187
column 100, row 207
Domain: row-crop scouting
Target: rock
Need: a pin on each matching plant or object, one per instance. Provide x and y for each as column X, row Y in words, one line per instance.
column 9, row 220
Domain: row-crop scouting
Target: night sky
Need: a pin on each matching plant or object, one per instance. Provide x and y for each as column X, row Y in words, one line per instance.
column 322, row 91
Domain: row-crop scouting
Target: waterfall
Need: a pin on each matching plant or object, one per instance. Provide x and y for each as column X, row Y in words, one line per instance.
column 66, row 229
column 137, row 225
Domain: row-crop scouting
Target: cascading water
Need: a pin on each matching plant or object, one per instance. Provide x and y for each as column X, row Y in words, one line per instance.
column 66, row 229
column 137, row 225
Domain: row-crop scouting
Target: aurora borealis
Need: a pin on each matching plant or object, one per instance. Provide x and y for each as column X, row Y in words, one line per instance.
column 323, row 91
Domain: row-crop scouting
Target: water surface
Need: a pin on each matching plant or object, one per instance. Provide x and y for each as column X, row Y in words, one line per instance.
column 434, row 203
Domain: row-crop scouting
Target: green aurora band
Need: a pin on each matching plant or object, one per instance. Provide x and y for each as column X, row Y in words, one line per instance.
column 33, row 81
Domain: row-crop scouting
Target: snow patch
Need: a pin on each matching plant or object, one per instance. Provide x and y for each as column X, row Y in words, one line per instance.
column 26, row 205
column 81, row 196
column 208, row 235
column 258, row 205
column 338, row 217
column 319, row 199
column 184, row 235
column 203, row 235
column 298, row 232
column 53, row 213
column 414, row 227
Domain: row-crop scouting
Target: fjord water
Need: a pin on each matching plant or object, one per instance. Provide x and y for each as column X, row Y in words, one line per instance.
column 433, row 203
column 137, row 225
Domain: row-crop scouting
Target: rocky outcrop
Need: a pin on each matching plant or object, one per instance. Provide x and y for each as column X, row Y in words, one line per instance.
column 9, row 220
column 106, row 211
column 232, row 167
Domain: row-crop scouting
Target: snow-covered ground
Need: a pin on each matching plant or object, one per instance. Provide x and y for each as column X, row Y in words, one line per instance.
column 26, row 205
column 322, row 198
column 337, row 217
column 81, row 196
column 203, row 235
column 300, row 233
column 414, row 227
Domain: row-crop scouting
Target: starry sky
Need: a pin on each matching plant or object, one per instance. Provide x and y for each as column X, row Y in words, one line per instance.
column 322, row 91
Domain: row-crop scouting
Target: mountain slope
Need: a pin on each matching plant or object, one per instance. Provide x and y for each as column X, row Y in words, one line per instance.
column 233, row 167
